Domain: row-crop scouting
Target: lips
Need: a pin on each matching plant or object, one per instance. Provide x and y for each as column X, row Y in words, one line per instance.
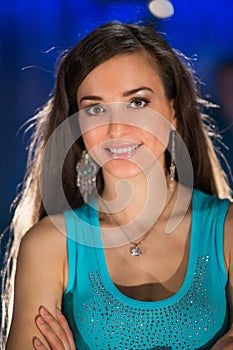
column 122, row 151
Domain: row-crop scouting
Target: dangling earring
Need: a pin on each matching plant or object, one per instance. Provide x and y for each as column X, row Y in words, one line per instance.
column 172, row 166
column 86, row 176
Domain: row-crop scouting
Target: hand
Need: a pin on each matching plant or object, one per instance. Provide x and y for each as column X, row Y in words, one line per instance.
column 55, row 330
column 226, row 342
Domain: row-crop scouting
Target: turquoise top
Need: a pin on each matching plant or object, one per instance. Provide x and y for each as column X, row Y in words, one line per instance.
column 101, row 317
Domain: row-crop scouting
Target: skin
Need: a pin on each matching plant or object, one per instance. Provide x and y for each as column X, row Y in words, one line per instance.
column 44, row 245
column 111, row 82
column 129, row 80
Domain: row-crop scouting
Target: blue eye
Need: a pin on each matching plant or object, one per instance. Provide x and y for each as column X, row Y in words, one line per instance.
column 138, row 103
column 95, row 110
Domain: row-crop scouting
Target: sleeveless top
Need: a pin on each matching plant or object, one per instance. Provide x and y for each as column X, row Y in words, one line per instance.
column 101, row 317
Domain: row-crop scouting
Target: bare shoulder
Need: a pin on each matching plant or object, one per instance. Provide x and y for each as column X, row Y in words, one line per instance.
column 230, row 211
column 228, row 236
column 48, row 232
column 43, row 249
column 229, row 223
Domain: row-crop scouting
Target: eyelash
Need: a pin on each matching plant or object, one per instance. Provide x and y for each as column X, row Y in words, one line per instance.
column 141, row 99
column 91, row 107
column 89, row 110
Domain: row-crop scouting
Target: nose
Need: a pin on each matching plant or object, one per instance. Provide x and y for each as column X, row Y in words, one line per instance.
column 118, row 126
column 118, row 130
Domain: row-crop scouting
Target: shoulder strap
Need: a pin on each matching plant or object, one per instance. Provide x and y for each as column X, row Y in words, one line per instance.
column 211, row 213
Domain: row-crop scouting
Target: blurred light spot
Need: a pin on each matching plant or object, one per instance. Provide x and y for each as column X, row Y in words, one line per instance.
column 161, row 8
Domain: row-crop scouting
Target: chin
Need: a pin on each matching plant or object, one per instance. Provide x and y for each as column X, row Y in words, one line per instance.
column 122, row 169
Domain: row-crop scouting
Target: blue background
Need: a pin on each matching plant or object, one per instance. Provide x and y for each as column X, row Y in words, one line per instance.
column 33, row 33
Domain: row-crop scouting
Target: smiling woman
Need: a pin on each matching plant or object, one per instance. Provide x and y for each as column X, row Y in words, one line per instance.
column 135, row 252
column 129, row 79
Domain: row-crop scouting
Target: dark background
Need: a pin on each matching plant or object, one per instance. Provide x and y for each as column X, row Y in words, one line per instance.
column 34, row 33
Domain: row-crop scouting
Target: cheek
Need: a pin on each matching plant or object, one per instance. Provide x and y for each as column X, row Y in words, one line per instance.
column 155, row 125
column 88, row 139
column 156, row 146
column 94, row 137
column 155, row 132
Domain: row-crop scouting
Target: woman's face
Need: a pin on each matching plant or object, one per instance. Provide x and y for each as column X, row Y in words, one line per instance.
column 125, row 116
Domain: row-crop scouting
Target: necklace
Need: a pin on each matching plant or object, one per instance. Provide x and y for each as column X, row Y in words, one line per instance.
column 135, row 249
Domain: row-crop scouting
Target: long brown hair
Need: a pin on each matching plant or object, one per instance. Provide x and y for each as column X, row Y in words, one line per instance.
column 179, row 84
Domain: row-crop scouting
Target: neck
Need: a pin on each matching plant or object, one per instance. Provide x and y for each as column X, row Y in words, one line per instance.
column 141, row 198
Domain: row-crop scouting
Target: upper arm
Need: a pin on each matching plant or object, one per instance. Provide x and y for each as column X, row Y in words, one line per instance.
column 39, row 281
column 228, row 251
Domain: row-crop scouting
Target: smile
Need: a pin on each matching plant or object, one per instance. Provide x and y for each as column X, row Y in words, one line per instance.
column 122, row 152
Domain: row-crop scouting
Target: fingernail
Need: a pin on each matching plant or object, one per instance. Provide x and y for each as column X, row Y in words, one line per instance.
column 37, row 342
column 43, row 310
column 40, row 320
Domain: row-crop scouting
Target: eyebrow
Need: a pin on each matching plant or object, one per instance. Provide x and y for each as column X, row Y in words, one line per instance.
column 125, row 94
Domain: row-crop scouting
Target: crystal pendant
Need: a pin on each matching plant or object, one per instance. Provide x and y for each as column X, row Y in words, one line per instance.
column 135, row 251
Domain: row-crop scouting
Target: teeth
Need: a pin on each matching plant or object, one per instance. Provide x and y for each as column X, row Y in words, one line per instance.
column 123, row 150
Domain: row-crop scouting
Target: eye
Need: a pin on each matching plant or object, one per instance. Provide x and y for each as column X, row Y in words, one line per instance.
column 95, row 110
column 138, row 102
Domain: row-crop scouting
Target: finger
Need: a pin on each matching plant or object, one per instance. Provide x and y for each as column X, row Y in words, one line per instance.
column 38, row 345
column 55, row 326
column 224, row 343
column 51, row 337
column 64, row 324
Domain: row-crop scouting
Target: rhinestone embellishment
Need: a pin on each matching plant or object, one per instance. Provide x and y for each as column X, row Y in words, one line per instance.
column 186, row 324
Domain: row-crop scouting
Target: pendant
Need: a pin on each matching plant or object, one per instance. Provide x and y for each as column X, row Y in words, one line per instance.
column 135, row 251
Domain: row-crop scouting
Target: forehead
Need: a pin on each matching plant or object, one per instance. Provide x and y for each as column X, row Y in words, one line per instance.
column 120, row 73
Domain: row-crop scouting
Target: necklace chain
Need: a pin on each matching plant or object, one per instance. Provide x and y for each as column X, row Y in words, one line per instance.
column 136, row 250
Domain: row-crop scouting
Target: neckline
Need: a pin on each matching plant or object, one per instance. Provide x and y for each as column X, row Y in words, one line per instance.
column 110, row 286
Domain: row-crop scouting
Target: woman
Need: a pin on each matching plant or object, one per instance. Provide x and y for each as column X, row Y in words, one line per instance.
column 142, row 264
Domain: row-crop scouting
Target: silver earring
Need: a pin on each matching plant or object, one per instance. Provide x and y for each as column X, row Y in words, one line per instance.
column 86, row 170
column 172, row 166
